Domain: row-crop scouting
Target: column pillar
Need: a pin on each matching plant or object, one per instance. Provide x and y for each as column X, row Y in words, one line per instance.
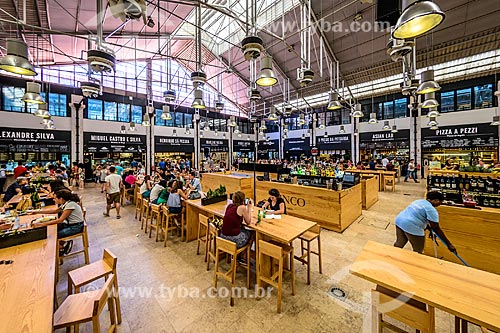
column 196, row 161
column 77, row 131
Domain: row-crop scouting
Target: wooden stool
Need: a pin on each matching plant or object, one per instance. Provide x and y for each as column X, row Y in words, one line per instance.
column 145, row 214
column 410, row 312
column 202, row 222
column 212, row 235
column 228, row 247
column 87, row 306
column 305, row 257
column 85, row 244
column 391, row 179
column 166, row 225
column 94, row 271
column 155, row 220
column 138, row 206
column 279, row 253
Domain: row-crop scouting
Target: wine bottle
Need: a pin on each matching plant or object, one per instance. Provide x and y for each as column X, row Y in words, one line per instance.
column 453, row 182
column 480, row 184
column 460, row 182
column 473, row 183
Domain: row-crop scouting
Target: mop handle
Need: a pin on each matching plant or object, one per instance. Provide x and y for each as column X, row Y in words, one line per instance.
column 454, row 252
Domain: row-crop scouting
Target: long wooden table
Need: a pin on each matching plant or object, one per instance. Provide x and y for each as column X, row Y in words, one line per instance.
column 465, row 292
column 233, row 183
column 17, row 198
column 27, row 285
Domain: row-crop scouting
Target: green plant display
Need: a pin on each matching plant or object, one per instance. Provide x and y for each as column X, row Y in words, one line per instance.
column 218, row 192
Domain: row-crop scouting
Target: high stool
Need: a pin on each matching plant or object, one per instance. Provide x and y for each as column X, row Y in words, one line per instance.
column 166, row 225
column 391, row 179
column 202, row 222
column 85, row 247
column 275, row 279
column 94, row 271
column 228, row 247
column 126, row 193
column 87, row 306
column 138, row 206
column 212, row 235
column 155, row 220
column 410, row 312
column 145, row 214
column 307, row 238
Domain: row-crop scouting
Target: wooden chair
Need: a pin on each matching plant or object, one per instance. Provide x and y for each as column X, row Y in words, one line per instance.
column 138, row 206
column 126, row 194
column 202, row 224
column 145, row 214
column 228, row 247
column 391, row 179
column 275, row 278
column 408, row 311
column 307, row 238
column 136, row 192
column 94, row 271
column 212, row 235
column 86, row 307
column 2, row 203
column 85, row 245
column 167, row 223
column 155, row 220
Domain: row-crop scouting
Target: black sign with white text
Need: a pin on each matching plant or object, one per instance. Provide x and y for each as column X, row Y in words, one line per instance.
column 334, row 142
column 243, row 146
column 215, row 145
column 24, row 140
column 462, row 136
column 385, row 140
column 173, row 144
column 266, row 147
column 113, row 143
column 298, row 145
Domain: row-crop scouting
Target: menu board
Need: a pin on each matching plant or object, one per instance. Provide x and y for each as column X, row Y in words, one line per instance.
column 298, row 145
column 174, row 144
column 113, row 143
column 461, row 136
column 243, row 146
column 215, row 145
column 25, row 140
column 385, row 140
column 265, row 147
column 334, row 142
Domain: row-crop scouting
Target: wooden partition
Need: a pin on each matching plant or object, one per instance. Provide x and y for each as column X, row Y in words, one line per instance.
column 369, row 191
column 475, row 234
column 272, row 176
column 468, row 174
column 333, row 210
column 380, row 173
column 232, row 183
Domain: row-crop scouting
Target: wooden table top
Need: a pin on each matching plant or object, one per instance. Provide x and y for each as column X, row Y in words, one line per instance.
column 17, row 198
column 465, row 292
column 379, row 171
column 27, row 285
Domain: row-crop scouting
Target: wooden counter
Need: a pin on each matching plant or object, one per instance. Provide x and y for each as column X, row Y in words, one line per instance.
column 272, row 176
column 369, row 191
column 379, row 173
column 475, row 233
column 193, row 209
column 231, row 182
column 463, row 173
column 333, row 210
column 28, row 284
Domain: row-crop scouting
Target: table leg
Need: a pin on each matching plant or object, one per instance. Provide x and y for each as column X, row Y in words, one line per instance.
column 257, row 262
column 461, row 325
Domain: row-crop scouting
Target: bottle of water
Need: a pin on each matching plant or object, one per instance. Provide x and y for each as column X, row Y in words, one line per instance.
column 42, row 204
column 17, row 222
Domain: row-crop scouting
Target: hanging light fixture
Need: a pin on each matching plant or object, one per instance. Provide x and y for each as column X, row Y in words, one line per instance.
column 261, row 133
column 302, row 119
column 216, row 132
column 303, row 136
column 201, row 134
column 32, row 94
column 122, row 129
column 394, row 129
column 333, row 102
column 285, row 136
column 342, row 129
column 263, row 126
column 325, row 135
column 266, row 77
column 432, row 122
column 232, row 122
column 285, row 130
column 223, row 135
column 146, row 121
column 386, row 127
column 435, row 127
column 273, row 116
column 174, row 132
column 430, row 101
column 239, row 135
column 188, row 131
column 248, row 138
column 357, row 111
column 427, row 83
column 165, row 114
column 42, row 111
column 198, row 100
column 169, row 95
column 496, row 121
column 418, row 17
column 321, row 126
column 236, row 130
column 268, row 138
column 373, row 118
column 50, row 125
column 356, row 131
column 308, row 133
column 16, row 61
column 207, row 127
column 433, row 112
column 132, row 127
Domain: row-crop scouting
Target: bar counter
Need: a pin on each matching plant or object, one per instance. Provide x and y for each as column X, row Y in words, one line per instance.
column 475, row 234
column 233, row 183
column 369, row 190
column 333, row 210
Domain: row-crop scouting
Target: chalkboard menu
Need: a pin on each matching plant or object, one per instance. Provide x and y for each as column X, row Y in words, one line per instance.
column 25, row 140
column 266, row 147
column 113, row 143
column 297, row 146
column 243, row 146
column 461, row 136
column 215, row 145
column 334, row 142
column 174, row 144
column 385, row 140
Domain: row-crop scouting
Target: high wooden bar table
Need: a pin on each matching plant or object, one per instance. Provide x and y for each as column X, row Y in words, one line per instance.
column 380, row 173
column 194, row 208
column 233, row 183
column 462, row 291
column 369, row 191
column 27, row 285
column 333, row 210
column 475, row 233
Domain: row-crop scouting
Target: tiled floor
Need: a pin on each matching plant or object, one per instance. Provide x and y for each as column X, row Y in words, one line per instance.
column 168, row 289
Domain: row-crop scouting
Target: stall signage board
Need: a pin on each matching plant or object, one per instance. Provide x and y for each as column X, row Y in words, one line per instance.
column 174, row 145
column 270, row 146
column 215, row 145
column 243, row 146
column 385, row 136
column 113, row 143
column 334, row 142
column 24, row 140
column 461, row 136
column 298, row 145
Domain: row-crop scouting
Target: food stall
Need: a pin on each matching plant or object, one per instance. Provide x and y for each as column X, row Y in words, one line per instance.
column 374, row 145
column 173, row 148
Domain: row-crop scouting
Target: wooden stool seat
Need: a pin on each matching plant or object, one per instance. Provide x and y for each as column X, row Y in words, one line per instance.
column 144, row 214
column 166, row 225
column 202, row 238
column 212, row 235
column 391, row 181
column 138, row 206
column 126, row 193
column 155, row 220
column 305, row 252
column 85, row 244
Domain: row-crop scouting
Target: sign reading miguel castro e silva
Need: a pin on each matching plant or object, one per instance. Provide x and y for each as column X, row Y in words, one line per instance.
column 24, row 140
column 113, row 143
column 462, row 136
column 174, row 145
column 215, row 145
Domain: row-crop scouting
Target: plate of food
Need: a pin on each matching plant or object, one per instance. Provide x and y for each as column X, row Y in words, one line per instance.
column 44, row 219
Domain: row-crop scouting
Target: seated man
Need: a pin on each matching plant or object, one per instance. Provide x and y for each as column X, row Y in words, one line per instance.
column 15, row 188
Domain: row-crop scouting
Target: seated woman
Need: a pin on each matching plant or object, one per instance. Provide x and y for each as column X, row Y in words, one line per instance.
column 155, row 192
column 130, row 179
column 275, row 204
column 174, row 198
column 70, row 218
column 232, row 224
column 145, row 189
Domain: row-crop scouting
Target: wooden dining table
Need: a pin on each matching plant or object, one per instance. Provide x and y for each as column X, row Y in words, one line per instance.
column 469, row 294
column 17, row 198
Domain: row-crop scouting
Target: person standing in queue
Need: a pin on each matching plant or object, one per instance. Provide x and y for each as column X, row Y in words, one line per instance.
column 275, row 204
column 113, row 190
column 418, row 216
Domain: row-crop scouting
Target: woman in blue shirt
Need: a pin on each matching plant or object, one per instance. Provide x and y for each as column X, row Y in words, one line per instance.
column 418, row 216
